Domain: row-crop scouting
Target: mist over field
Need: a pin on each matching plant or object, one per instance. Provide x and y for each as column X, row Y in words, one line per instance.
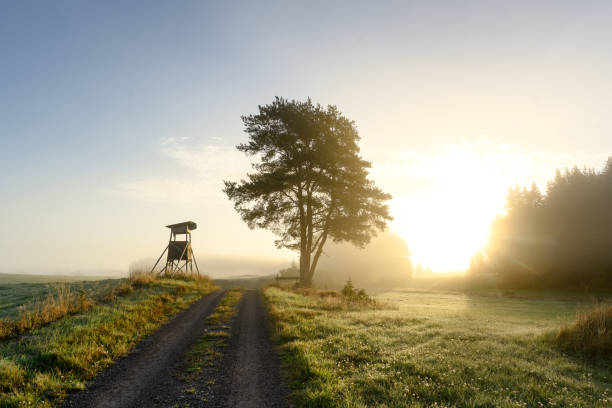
column 220, row 266
column 226, row 266
column 385, row 262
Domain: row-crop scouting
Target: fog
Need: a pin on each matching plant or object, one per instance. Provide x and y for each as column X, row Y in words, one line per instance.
column 223, row 266
column 385, row 262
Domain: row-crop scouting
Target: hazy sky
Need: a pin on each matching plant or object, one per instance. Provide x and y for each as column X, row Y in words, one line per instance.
column 117, row 118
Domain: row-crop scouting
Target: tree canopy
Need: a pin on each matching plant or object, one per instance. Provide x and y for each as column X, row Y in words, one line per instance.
column 310, row 184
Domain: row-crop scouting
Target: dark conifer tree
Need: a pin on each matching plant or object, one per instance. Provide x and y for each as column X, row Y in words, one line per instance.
column 562, row 238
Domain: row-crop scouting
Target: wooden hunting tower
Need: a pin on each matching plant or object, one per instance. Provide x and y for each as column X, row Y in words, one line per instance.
column 180, row 254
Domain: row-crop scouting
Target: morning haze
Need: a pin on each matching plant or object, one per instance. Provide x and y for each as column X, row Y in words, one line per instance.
column 115, row 116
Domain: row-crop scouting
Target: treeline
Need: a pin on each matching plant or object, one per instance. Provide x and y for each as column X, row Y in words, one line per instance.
column 562, row 238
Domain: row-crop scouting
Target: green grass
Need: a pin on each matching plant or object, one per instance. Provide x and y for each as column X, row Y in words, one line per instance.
column 15, row 296
column 206, row 350
column 432, row 349
column 39, row 368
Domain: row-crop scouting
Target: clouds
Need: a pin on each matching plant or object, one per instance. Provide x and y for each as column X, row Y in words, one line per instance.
column 198, row 176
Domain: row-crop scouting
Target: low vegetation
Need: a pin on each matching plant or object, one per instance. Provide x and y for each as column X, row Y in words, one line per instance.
column 16, row 296
column 55, row 306
column 349, row 298
column 38, row 369
column 591, row 334
column 206, row 351
column 434, row 349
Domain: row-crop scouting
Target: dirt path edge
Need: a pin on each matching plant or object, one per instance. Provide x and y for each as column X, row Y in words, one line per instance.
column 121, row 384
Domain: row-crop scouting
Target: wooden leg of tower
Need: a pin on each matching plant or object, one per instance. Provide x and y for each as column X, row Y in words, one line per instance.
column 159, row 259
column 195, row 262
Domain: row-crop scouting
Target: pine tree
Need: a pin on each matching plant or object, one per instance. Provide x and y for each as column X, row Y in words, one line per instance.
column 311, row 184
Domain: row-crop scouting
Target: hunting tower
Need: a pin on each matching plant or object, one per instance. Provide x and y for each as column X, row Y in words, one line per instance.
column 180, row 254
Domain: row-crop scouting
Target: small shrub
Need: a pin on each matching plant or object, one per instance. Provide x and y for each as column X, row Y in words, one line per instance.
column 355, row 295
column 348, row 290
column 591, row 333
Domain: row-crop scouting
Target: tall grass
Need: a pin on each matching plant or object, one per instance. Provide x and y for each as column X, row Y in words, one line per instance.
column 55, row 306
column 140, row 278
column 185, row 276
column 591, row 334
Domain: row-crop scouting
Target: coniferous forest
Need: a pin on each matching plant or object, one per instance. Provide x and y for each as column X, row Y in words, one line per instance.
column 560, row 238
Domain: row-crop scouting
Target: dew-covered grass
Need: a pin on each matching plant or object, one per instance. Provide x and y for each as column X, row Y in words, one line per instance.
column 435, row 349
column 17, row 296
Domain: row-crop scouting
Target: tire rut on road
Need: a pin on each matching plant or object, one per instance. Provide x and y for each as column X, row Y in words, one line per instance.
column 248, row 374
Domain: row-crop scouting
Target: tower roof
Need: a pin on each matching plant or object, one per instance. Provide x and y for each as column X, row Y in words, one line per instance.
column 183, row 227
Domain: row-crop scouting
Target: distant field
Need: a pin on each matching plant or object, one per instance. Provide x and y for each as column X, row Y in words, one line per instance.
column 436, row 349
column 21, row 291
column 7, row 278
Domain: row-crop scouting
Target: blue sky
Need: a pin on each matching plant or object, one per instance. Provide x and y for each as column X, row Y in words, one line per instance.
column 119, row 117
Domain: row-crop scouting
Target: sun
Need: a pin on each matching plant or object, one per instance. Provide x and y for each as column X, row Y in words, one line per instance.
column 443, row 233
column 445, row 224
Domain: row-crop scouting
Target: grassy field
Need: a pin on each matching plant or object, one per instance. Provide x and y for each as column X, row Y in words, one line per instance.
column 17, row 294
column 435, row 349
column 38, row 368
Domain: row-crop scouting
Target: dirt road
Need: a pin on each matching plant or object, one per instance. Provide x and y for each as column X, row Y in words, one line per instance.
column 249, row 372
column 246, row 374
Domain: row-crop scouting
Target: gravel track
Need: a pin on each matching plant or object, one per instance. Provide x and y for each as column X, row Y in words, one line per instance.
column 246, row 375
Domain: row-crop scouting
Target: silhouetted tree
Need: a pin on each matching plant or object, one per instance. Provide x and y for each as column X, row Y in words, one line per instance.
column 311, row 183
column 562, row 238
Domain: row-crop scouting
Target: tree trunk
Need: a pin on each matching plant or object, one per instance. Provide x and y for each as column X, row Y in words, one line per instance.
column 317, row 255
column 306, row 244
column 305, row 277
column 305, row 280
